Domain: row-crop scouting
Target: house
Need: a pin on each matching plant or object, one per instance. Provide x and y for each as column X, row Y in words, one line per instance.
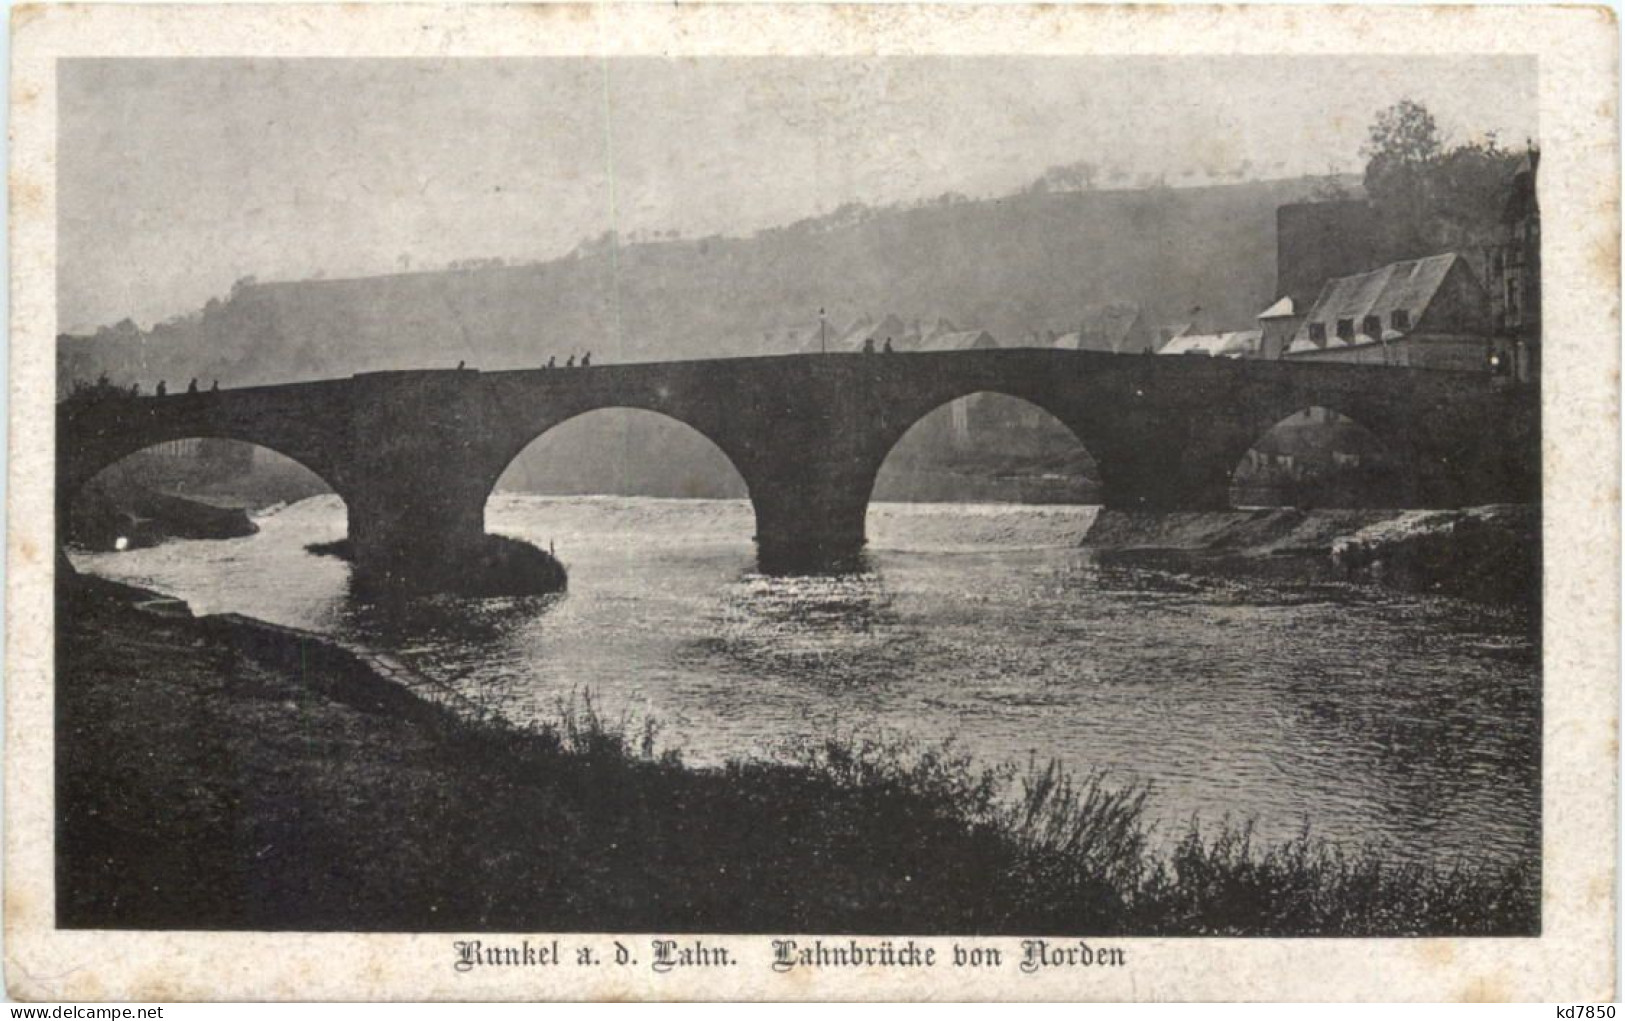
column 859, row 326
column 1424, row 313
column 1513, row 278
column 1277, row 324
column 1172, row 331
column 1115, row 328
column 976, row 406
column 867, row 330
column 937, row 329
column 1235, row 344
column 958, row 340
column 797, row 338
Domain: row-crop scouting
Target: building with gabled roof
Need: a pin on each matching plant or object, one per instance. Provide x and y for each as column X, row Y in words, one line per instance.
column 799, row 338
column 958, row 340
column 940, row 327
column 1173, row 331
column 1113, row 328
column 867, row 330
column 1234, row 344
column 1423, row 313
column 1277, row 325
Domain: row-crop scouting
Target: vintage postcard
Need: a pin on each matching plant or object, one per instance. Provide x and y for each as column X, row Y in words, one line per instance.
column 813, row 502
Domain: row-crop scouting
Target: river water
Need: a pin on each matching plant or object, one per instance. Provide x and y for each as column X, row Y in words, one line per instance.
column 1370, row 716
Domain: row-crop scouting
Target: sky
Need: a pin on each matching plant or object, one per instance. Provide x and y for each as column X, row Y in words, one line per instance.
column 177, row 177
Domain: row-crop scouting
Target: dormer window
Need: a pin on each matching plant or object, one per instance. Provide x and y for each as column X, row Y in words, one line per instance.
column 1345, row 329
column 1401, row 319
column 1371, row 326
column 1317, row 332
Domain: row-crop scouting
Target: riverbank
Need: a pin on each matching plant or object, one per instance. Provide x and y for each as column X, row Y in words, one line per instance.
column 126, row 515
column 219, row 773
column 1488, row 554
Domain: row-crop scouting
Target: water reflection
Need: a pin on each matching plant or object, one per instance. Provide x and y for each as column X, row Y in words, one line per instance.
column 1371, row 715
column 403, row 621
column 839, row 631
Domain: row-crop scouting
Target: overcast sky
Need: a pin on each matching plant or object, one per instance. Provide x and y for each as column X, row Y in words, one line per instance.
column 177, row 177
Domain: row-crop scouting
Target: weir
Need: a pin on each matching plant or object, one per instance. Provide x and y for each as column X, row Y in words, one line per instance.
column 415, row 454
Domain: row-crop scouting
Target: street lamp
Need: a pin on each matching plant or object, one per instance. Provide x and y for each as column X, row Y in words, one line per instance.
column 821, row 348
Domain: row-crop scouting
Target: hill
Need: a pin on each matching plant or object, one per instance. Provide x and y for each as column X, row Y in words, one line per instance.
column 1011, row 265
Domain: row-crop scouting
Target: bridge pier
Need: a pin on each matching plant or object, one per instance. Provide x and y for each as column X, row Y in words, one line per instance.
column 1157, row 469
column 805, row 530
column 811, row 503
column 427, row 539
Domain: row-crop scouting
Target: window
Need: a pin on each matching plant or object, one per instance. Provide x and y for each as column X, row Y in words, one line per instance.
column 1345, row 329
column 1371, row 326
column 1317, row 332
column 1401, row 319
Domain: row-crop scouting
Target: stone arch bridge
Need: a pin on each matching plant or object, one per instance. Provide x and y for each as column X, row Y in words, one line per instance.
column 414, row 454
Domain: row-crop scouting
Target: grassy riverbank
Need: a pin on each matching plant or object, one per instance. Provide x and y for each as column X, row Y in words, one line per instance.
column 206, row 784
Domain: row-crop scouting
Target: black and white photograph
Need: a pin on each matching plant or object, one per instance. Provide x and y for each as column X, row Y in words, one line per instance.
column 833, row 498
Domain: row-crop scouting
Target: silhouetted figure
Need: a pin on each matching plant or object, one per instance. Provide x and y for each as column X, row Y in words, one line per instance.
column 191, row 387
column 162, row 390
column 586, row 359
column 868, row 345
column 570, row 362
column 552, row 361
column 214, row 387
column 459, row 365
column 887, row 348
column 135, row 389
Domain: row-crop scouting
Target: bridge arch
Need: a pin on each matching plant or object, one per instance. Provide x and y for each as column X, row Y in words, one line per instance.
column 619, row 450
column 981, row 433
column 91, row 438
column 179, row 487
column 990, row 420
column 1320, row 456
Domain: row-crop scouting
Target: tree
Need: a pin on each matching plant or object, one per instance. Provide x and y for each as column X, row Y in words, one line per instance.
column 1401, row 151
column 1428, row 198
column 1403, row 136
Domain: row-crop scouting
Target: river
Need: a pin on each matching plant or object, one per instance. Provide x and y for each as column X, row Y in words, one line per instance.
column 1372, row 717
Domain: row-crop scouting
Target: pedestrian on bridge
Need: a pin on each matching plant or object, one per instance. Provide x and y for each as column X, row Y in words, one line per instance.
column 887, row 348
column 586, row 359
column 191, row 387
column 552, row 361
column 162, row 389
column 868, row 345
column 570, row 362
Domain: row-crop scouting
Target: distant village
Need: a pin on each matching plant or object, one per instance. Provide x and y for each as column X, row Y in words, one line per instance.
column 1338, row 299
column 1472, row 310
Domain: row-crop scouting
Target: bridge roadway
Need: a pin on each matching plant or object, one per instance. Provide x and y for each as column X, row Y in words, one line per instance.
column 414, row 454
